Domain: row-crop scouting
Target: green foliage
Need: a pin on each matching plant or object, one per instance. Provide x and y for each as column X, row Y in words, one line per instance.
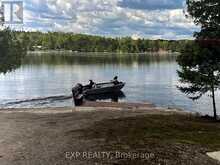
column 11, row 51
column 199, row 70
column 200, row 61
column 89, row 43
column 206, row 14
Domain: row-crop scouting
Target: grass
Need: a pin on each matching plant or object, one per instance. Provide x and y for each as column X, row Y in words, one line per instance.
column 172, row 128
column 172, row 138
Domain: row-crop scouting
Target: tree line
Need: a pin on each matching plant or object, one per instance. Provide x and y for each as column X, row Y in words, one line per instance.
column 12, row 51
column 88, row 43
column 15, row 44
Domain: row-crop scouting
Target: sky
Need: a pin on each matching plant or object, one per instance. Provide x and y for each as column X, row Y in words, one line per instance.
column 153, row 19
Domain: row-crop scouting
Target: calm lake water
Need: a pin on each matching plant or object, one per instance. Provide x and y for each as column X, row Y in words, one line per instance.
column 46, row 80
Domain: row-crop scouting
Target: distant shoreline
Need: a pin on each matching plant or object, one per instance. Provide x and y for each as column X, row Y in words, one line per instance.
column 107, row 53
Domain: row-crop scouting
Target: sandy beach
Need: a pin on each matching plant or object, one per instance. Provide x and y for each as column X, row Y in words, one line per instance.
column 101, row 133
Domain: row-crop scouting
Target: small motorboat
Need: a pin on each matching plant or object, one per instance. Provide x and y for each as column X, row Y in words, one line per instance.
column 102, row 88
column 80, row 92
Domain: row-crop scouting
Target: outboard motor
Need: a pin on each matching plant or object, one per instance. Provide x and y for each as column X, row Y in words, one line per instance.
column 77, row 92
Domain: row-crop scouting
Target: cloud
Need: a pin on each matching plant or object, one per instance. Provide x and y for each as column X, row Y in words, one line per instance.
column 110, row 18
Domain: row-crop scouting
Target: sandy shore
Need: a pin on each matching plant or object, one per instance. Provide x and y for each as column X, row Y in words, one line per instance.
column 59, row 135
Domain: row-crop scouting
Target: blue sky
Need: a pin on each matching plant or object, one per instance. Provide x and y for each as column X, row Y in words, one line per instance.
column 137, row 18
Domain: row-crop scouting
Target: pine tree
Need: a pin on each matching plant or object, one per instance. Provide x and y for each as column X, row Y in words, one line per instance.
column 200, row 61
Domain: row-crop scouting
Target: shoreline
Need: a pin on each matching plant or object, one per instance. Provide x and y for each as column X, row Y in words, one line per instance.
column 162, row 53
column 96, row 106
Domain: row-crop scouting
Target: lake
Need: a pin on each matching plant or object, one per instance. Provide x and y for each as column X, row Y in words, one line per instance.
column 45, row 80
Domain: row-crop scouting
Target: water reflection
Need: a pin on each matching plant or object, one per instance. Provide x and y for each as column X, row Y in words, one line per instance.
column 114, row 97
column 96, row 59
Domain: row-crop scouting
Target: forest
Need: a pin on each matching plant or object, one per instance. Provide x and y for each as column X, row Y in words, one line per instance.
column 89, row 43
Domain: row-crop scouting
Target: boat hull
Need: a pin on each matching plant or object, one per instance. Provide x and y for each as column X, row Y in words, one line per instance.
column 104, row 88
